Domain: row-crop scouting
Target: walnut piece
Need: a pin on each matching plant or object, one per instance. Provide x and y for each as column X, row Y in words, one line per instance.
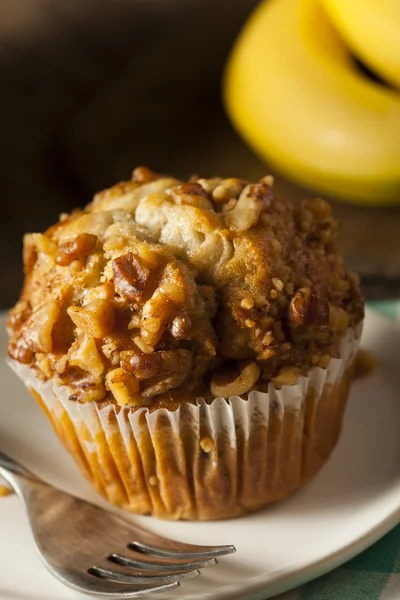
column 79, row 247
column 227, row 190
column 299, row 306
column 95, row 318
column 84, row 354
column 254, row 199
column 192, row 194
column 307, row 308
column 130, row 276
column 162, row 370
column 38, row 328
column 162, row 310
column 124, row 387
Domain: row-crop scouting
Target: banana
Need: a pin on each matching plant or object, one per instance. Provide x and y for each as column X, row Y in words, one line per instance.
column 294, row 92
column 372, row 29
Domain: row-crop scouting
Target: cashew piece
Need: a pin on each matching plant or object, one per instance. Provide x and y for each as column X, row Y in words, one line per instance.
column 242, row 384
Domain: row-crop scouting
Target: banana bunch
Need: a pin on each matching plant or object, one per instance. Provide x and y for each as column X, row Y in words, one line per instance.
column 295, row 93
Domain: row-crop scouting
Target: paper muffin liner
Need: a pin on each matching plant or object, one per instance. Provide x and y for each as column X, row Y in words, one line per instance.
column 205, row 460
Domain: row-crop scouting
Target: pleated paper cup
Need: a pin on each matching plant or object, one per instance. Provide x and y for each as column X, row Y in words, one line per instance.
column 206, row 460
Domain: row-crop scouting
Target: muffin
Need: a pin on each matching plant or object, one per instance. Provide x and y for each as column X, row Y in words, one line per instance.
column 192, row 343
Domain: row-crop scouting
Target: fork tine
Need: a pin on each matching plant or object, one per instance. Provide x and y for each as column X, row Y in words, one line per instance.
column 126, row 577
column 118, row 591
column 183, row 551
column 147, row 542
column 161, row 565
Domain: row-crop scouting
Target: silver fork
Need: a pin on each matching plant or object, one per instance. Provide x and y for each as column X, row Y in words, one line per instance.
column 97, row 552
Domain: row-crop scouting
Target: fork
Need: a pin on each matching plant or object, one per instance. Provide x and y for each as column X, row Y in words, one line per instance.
column 97, row 552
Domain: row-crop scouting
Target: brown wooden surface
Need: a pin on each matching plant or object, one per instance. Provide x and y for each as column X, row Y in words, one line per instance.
column 91, row 88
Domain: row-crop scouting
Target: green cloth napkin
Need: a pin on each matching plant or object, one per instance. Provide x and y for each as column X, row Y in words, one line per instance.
column 372, row 575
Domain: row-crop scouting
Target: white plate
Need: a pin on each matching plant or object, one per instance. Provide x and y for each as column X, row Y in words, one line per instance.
column 349, row 505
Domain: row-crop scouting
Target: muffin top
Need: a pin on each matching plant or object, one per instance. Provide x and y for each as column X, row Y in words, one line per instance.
column 161, row 291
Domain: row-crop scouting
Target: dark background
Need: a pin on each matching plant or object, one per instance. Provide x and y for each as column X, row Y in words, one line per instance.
column 91, row 88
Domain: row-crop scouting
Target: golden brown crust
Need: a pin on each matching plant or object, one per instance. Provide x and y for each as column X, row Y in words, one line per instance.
column 159, row 287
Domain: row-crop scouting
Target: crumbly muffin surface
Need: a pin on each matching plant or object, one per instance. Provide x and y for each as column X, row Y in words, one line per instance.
column 161, row 291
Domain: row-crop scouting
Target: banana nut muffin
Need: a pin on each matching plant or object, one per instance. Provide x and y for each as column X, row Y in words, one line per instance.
column 161, row 291
column 159, row 286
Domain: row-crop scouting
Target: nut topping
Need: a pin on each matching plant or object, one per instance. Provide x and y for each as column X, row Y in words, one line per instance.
column 130, row 277
column 307, row 308
column 161, row 371
column 254, row 200
column 222, row 383
column 159, row 285
column 79, row 247
column 95, row 318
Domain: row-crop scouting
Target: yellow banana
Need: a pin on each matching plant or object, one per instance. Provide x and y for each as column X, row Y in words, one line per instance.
column 372, row 29
column 294, row 93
